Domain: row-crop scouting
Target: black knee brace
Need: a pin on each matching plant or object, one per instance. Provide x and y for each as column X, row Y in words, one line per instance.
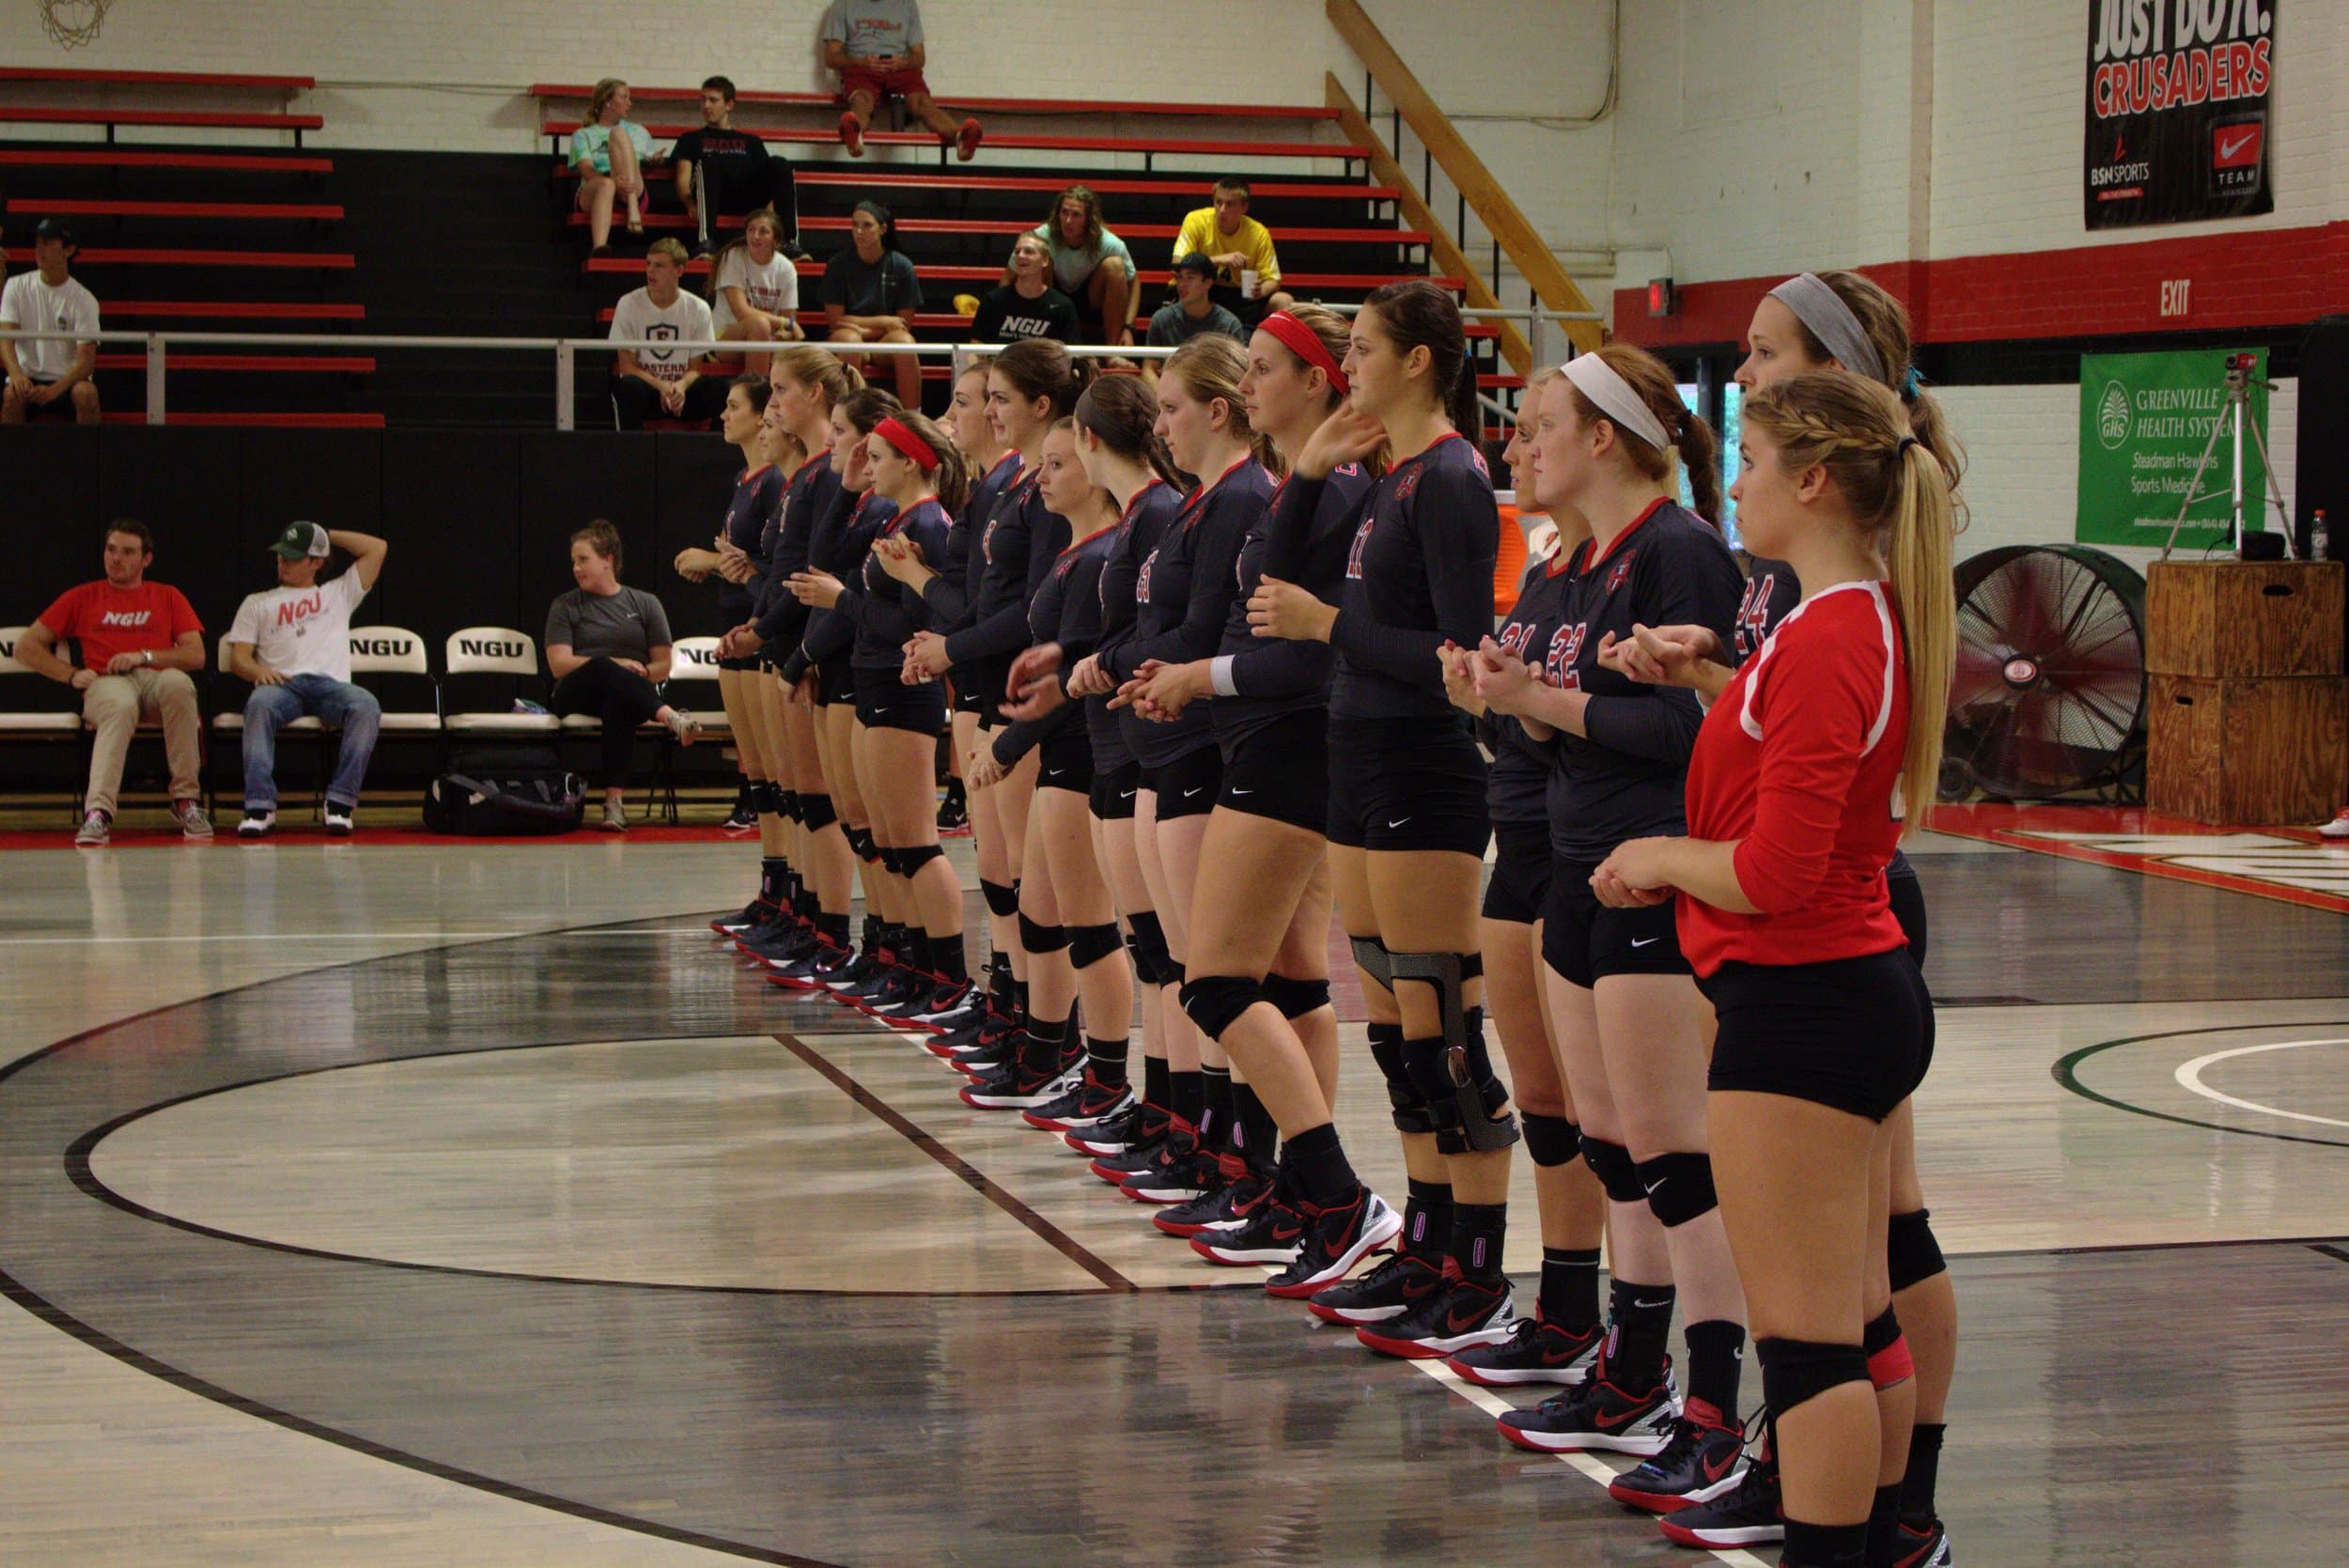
column 913, row 860
column 1213, row 1001
column 787, row 804
column 860, row 844
column 1295, row 998
column 767, row 796
column 1089, row 944
column 1372, row 958
column 817, row 812
column 1679, row 1186
column 1452, row 1072
column 1152, row 961
column 889, row 861
column 1553, row 1140
column 1612, row 1163
column 1386, row 1048
column 1002, row 898
column 1793, row 1372
column 1910, row 1249
column 1042, row 938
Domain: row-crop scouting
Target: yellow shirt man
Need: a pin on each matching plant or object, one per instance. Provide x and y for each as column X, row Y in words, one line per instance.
column 1225, row 230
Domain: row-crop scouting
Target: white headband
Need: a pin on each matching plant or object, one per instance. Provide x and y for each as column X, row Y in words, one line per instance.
column 1830, row 321
column 1599, row 382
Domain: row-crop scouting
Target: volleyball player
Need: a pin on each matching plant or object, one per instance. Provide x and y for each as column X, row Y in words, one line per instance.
column 1559, row 1339
column 1408, row 822
column 1795, row 807
column 1261, row 905
column 916, row 468
column 1064, row 619
column 1183, row 596
column 1629, row 1016
column 756, row 495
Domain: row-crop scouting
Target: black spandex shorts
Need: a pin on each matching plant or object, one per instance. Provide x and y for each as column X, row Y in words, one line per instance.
column 1852, row 1034
column 835, row 682
column 1407, row 783
column 1066, row 759
column 1585, row 940
column 1908, row 906
column 884, row 702
column 1188, row 785
column 1519, row 885
column 748, row 661
column 1282, row 771
column 1114, row 793
column 966, row 684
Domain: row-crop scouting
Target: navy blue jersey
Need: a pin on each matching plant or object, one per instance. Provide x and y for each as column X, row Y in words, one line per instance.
column 1418, row 575
column 949, row 598
column 811, row 494
column 1533, row 633
column 1021, row 540
column 1183, row 597
column 758, row 493
column 885, row 610
column 1308, row 527
column 1149, row 512
column 840, row 549
column 1626, row 778
column 1066, row 610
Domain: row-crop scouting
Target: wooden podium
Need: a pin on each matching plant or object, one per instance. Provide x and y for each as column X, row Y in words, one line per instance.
column 2249, row 706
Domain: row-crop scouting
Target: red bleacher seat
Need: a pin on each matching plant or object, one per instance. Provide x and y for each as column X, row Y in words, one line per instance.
column 127, row 157
column 1144, row 145
column 156, row 78
column 1262, row 190
column 233, row 310
column 977, row 105
column 349, row 365
column 297, row 211
column 321, row 259
column 634, row 266
column 16, row 114
column 982, row 225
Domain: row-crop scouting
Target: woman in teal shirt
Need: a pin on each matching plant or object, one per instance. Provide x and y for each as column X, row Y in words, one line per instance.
column 607, row 151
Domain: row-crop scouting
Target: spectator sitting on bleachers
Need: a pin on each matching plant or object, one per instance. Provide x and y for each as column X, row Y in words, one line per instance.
column 876, row 46
column 140, row 643
column 608, row 649
column 754, row 289
column 1029, row 305
column 721, row 170
column 1089, row 263
column 870, row 293
column 607, row 153
column 293, row 644
column 1190, row 312
column 650, row 382
column 49, row 374
column 1237, row 243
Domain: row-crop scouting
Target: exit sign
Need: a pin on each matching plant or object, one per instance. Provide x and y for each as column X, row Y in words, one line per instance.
column 2174, row 292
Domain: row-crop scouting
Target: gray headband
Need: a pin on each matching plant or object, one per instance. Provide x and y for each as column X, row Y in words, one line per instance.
column 1830, row 321
column 1600, row 382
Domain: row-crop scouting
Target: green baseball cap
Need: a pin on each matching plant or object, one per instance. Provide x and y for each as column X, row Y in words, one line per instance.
column 302, row 541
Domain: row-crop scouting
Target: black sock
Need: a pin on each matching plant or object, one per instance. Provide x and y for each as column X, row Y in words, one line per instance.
column 1824, row 1546
column 1040, row 1045
column 771, row 879
column 1019, row 1001
column 913, row 948
column 871, row 933
column 1884, row 1526
column 833, row 928
column 1253, row 1131
column 804, row 904
column 1186, row 1096
column 1427, row 1221
column 1157, row 1084
column 1924, row 1469
column 1108, row 1060
column 1570, row 1288
column 1317, row 1161
column 1643, row 1321
column 1716, row 1348
column 1477, row 1232
column 947, row 961
column 1000, row 994
column 1215, row 1117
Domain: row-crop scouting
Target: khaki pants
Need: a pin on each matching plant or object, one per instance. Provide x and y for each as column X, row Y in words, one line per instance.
column 116, row 703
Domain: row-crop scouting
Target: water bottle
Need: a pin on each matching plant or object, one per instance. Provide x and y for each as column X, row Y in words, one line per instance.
column 2320, row 539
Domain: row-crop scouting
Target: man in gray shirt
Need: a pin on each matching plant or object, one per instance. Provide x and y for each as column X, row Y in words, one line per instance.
column 1190, row 312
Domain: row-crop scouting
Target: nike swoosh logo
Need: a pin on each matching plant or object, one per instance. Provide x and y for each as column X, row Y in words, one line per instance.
column 1398, row 822
column 1643, row 941
column 2228, row 149
column 1195, row 789
column 1609, row 1419
column 1654, row 1184
column 1126, row 794
column 1667, row 1301
column 1243, row 792
column 1715, row 1472
column 1455, row 1322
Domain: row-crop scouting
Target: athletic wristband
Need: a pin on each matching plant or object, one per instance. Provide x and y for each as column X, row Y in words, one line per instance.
column 1219, row 674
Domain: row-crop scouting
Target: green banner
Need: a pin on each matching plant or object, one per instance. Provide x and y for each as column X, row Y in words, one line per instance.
column 2144, row 421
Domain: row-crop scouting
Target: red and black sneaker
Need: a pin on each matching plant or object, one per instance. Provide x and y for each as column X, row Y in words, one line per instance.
column 1390, row 1290
column 1138, row 1125
column 1600, row 1414
column 1928, row 1547
column 1212, row 1210
column 1089, row 1104
column 759, row 911
column 1696, row 1465
column 1117, row 1170
column 1013, row 1088
column 1537, row 1351
column 1336, row 1238
column 1463, row 1313
column 945, row 1001
column 1745, row 1516
column 813, row 972
column 1178, row 1174
column 1269, row 1232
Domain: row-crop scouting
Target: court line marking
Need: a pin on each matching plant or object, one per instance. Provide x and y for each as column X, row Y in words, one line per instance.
column 2066, row 1074
column 2189, row 1074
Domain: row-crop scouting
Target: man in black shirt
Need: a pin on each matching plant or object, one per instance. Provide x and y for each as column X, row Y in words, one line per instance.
column 1028, row 305
column 720, row 170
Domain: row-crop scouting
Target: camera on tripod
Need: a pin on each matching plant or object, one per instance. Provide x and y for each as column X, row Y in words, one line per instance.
column 2240, row 365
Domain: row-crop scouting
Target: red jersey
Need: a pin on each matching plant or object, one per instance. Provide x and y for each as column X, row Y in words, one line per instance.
column 111, row 620
column 1800, row 762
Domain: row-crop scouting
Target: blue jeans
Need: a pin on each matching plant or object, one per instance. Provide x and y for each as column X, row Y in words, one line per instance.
column 338, row 705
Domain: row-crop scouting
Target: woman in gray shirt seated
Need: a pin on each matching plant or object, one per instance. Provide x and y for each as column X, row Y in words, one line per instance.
column 608, row 649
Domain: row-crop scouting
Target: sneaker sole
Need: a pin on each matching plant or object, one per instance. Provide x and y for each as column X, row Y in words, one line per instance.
column 999, row 1102
column 1712, row 1538
column 1355, row 1316
column 1161, row 1194
column 1076, row 1124
column 1516, row 1377
column 1431, row 1349
column 1234, row 1257
column 1582, row 1442
column 1669, row 1502
column 1375, row 1235
column 792, row 982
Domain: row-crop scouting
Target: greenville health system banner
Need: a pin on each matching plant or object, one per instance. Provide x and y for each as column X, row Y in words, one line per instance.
column 2145, row 420
column 2177, row 110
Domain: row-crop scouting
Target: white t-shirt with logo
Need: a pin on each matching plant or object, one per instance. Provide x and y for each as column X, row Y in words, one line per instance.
column 29, row 304
column 301, row 631
column 773, row 288
column 685, row 321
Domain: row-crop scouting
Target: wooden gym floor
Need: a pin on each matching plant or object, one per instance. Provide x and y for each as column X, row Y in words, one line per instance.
column 418, row 1204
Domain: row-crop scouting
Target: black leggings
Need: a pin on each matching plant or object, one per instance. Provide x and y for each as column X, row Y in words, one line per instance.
column 622, row 699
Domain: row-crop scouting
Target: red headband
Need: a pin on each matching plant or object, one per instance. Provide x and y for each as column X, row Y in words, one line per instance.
column 905, row 441
column 1306, row 344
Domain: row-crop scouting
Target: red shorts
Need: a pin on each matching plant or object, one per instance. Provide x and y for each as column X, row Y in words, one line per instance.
column 882, row 85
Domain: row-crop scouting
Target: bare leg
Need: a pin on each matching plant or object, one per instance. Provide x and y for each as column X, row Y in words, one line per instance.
column 596, row 192
column 629, row 178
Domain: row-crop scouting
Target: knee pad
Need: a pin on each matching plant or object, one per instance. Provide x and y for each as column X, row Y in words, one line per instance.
column 1042, row 938
column 1612, row 1163
column 767, row 796
column 860, row 844
column 1910, row 1251
column 1213, row 1001
column 1795, row 1371
column 1679, row 1186
column 817, row 812
column 913, row 860
column 1454, row 1075
column 787, row 804
column 889, row 861
column 1153, row 963
column 1890, row 1364
column 1370, row 956
column 1002, row 898
column 1553, row 1140
column 1411, row 1113
column 1295, row 998
column 1089, row 944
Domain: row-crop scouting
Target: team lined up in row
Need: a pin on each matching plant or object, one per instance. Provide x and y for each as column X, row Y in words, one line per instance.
column 1204, row 715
